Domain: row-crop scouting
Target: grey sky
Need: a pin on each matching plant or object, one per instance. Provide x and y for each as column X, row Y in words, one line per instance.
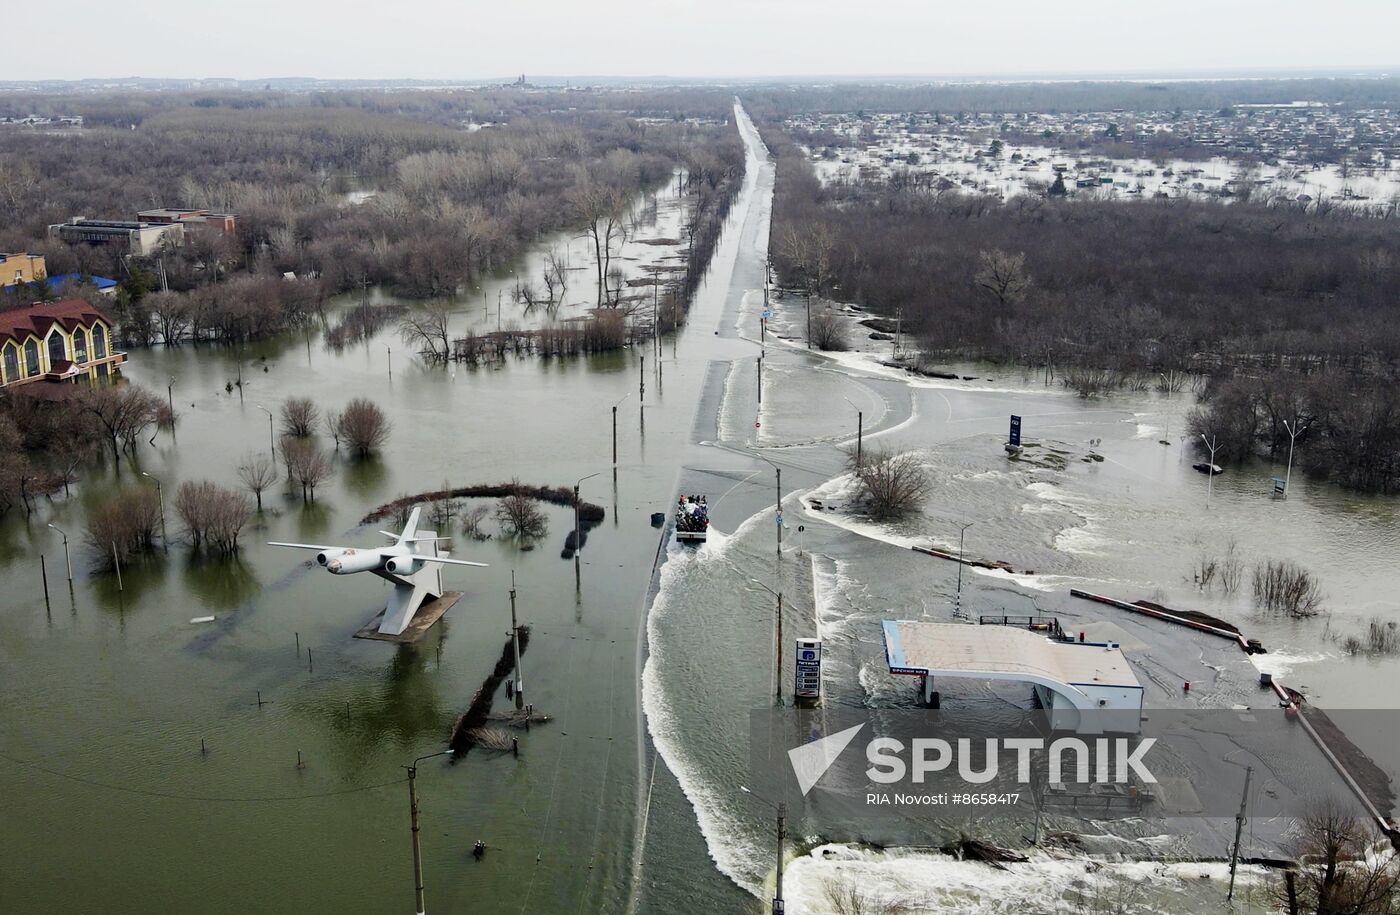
column 447, row 39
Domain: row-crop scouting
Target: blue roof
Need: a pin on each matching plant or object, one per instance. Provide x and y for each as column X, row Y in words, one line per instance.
column 63, row 279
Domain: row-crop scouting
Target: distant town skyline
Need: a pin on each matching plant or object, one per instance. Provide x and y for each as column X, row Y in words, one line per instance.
column 442, row 41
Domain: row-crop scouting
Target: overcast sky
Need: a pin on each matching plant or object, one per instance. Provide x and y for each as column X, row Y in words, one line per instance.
column 468, row 39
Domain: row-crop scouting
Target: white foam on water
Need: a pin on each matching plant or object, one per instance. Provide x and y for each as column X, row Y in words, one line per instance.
column 1282, row 663
column 1034, row 582
column 938, row 884
column 718, row 824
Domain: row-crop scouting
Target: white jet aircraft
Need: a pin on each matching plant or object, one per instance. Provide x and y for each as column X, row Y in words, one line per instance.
column 415, row 575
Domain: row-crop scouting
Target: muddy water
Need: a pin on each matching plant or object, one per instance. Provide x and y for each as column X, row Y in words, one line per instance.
column 109, row 693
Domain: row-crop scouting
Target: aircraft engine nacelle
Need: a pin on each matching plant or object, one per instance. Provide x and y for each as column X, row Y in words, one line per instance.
column 325, row 556
column 354, row 561
column 403, row 565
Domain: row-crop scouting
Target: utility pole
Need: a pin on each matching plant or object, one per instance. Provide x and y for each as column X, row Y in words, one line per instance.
column 170, row 398
column 515, row 642
column 778, row 906
column 68, row 560
column 389, row 352
column 860, row 429
column 779, row 504
column 957, row 601
column 1239, row 828
column 1292, row 437
column 778, row 659
column 760, row 379
column 413, row 819
column 578, row 530
column 271, row 437
column 160, row 497
column 1210, row 471
column 781, row 810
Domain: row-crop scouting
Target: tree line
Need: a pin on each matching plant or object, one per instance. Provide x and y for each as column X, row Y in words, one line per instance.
column 1113, row 292
column 449, row 206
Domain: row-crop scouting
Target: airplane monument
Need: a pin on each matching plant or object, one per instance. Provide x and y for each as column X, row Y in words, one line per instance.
column 412, row 564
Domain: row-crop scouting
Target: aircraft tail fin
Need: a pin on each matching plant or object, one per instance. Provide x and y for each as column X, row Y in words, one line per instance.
column 410, row 530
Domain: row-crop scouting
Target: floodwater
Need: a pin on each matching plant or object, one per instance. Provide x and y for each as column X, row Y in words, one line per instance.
column 629, row 799
column 112, row 806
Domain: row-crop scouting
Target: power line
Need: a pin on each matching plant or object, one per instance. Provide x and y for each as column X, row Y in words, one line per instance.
column 149, row 792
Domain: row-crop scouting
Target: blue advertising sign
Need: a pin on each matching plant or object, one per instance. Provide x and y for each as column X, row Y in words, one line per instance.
column 1015, row 438
column 808, row 670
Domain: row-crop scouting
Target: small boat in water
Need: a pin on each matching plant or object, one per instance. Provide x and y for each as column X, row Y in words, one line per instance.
column 1208, row 469
column 692, row 519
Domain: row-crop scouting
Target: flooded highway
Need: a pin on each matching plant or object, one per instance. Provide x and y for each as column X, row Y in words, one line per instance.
column 163, row 753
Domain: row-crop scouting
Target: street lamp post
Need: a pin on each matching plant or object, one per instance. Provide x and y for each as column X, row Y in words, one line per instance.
column 170, row 396
column 160, row 497
column 781, row 810
column 413, row 819
column 578, row 529
column 1210, row 471
column 1292, row 437
column 271, row 436
column 778, row 502
column 860, row 429
column 66, row 559
column 957, row 600
column 614, row 431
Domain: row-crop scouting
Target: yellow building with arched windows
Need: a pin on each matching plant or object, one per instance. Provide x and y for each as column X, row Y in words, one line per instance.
column 56, row 341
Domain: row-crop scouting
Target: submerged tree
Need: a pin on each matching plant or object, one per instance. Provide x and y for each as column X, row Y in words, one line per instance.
column 213, row 515
column 519, row 516
column 299, row 416
column 361, row 426
column 258, row 473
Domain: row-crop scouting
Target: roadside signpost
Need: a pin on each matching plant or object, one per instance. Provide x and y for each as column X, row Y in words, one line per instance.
column 1015, row 436
column 808, row 670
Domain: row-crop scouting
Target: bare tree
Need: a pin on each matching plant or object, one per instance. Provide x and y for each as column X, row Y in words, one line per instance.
column 519, row 516
column 828, row 331
column 556, row 279
column 213, row 515
column 890, row 486
column 471, row 522
column 1003, row 275
column 172, row 313
column 299, row 416
column 1284, row 586
column 126, row 522
column 123, row 412
column 601, row 207
column 426, row 328
column 362, row 426
column 258, row 473
column 306, row 464
column 1344, row 868
column 847, row 898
